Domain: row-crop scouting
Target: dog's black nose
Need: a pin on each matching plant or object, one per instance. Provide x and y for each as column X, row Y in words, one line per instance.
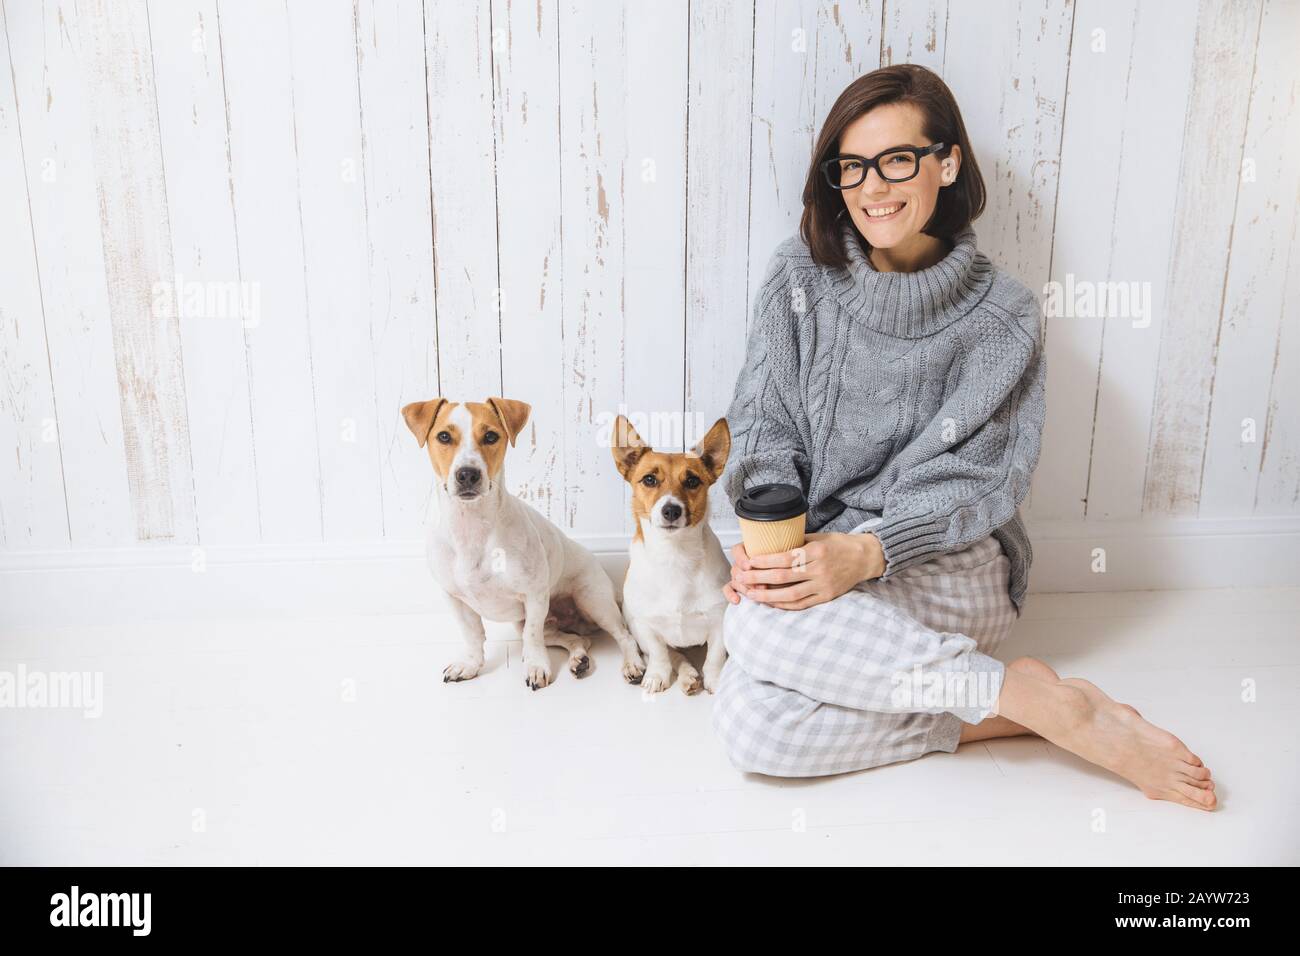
column 672, row 511
column 468, row 477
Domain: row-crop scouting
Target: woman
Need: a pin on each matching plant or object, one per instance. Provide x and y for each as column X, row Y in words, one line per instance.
column 897, row 377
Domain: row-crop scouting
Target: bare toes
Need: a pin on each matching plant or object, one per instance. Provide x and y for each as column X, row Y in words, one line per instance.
column 1205, row 799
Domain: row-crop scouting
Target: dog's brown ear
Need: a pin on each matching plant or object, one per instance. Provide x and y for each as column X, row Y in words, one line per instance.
column 420, row 417
column 714, row 448
column 626, row 445
column 513, row 415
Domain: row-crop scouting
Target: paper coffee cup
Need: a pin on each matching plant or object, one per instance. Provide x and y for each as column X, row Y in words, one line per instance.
column 771, row 518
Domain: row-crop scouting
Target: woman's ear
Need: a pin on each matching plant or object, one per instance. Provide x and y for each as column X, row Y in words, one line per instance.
column 950, row 166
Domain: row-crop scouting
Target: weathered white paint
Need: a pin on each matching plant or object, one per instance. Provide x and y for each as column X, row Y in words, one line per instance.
column 206, row 287
column 135, row 230
column 1263, row 248
column 54, row 116
column 323, row 48
column 1007, row 62
column 458, row 67
column 915, row 32
column 399, row 252
column 33, row 512
column 594, row 84
column 1204, row 228
column 526, row 96
column 654, row 263
column 572, row 203
column 1152, row 116
column 720, row 102
column 1086, row 198
column 782, row 129
column 253, row 40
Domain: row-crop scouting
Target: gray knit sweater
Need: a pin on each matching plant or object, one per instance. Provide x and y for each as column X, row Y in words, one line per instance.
column 907, row 405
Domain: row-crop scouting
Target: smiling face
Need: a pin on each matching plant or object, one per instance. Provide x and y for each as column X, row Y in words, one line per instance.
column 892, row 215
column 466, row 442
column 670, row 491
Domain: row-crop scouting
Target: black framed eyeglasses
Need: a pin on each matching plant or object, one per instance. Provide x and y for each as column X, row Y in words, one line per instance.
column 896, row 165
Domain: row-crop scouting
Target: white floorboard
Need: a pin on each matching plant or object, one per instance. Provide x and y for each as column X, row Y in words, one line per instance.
column 244, row 725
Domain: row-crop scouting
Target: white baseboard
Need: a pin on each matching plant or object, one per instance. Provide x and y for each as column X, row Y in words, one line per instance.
column 168, row 582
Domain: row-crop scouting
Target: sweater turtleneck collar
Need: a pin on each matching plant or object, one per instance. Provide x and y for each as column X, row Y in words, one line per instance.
column 911, row 305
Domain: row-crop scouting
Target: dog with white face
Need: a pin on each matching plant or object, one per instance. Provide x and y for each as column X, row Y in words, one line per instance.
column 498, row 558
column 672, row 596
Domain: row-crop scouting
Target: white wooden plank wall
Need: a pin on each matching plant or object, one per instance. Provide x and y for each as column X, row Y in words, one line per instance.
column 240, row 235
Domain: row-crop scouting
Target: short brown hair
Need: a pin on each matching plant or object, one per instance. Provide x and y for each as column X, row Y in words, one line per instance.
column 958, row 205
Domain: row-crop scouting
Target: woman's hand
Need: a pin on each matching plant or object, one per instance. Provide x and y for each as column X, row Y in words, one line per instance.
column 827, row 566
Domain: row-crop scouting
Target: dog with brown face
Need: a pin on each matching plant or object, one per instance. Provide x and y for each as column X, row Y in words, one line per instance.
column 672, row 596
column 498, row 558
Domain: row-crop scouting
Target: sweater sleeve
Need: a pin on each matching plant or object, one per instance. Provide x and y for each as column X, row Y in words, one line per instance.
column 766, row 415
column 971, row 467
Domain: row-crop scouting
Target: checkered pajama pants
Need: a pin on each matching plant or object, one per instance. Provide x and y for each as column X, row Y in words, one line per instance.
column 884, row 673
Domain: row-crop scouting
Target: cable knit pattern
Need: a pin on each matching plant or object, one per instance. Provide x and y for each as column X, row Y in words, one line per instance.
column 909, row 405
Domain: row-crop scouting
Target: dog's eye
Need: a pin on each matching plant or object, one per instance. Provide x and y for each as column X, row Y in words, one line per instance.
column 490, row 438
column 649, row 481
column 692, row 481
column 444, row 437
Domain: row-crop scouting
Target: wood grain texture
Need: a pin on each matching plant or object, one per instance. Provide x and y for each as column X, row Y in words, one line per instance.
column 572, row 203
column 1263, row 248
column 33, row 511
column 1086, row 199
column 213, row 304
column 265, row 189
column 915, row 31
column 1226, row 35
column 526, row 93
column 849, row 40
column 135, row 230
column 594, row 85
column 400, row 311
column 336, row 234
column 458, row 60
column 1277, row 484
column 54, row 115
column 782, row 126
column 1140, row 243
column 720, row 102
column 654, row 256
column 1013, row 113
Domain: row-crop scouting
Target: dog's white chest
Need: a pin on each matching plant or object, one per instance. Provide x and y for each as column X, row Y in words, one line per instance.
column 678, row 595
column 689, row 629
column 483, row 578
column 482, row 586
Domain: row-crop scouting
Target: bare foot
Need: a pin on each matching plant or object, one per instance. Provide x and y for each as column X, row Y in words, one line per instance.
column 1114, row 736
column 992, row 727
column 1034, row 668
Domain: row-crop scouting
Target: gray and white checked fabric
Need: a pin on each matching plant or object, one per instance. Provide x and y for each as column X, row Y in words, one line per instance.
column 884, row 673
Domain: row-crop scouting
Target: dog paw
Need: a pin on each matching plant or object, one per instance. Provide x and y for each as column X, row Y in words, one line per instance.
column 657, row 680
column 536, row 675
column 633, row 671
column 580, row 666
column 690, row 681
column 460, row 670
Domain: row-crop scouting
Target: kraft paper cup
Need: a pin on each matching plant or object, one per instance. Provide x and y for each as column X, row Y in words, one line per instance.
column 772, row 518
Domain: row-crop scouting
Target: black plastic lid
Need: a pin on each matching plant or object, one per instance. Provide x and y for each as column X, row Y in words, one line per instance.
column 771, row 502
